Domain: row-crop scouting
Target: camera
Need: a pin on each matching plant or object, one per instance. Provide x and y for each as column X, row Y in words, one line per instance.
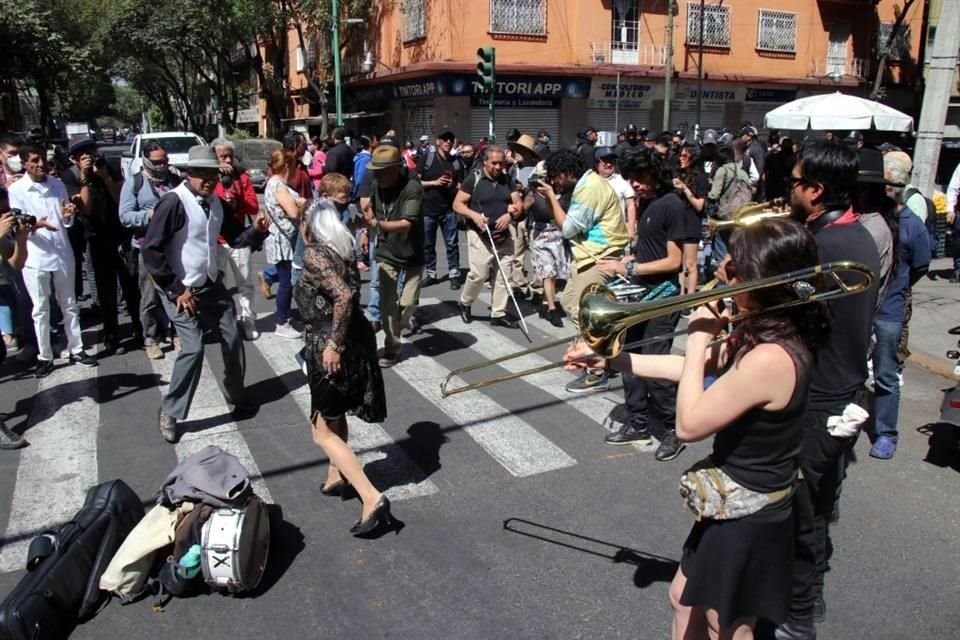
column 226, row 180
column 100, row 162
column 534, row 183
column 21, row 219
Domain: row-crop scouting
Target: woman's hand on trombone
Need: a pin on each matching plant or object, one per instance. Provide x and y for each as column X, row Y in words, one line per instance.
column 706, row 323
column 580, row 356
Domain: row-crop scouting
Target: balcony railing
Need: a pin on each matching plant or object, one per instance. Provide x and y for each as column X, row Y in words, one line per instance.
column 839, row 68
column 608, row 52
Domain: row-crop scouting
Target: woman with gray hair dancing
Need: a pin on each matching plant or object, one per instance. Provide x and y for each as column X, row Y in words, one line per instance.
column 341, row 355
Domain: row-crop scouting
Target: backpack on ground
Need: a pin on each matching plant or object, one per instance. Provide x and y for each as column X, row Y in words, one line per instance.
column 930, row 222
column 64, row 565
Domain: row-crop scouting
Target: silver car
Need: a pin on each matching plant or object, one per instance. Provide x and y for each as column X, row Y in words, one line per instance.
column 254, row 156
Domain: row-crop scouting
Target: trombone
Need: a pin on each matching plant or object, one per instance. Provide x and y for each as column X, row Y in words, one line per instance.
column 604, row 319
column 750, row 214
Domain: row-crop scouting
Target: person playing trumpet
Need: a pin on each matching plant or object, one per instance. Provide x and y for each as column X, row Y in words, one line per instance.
column 736, row 562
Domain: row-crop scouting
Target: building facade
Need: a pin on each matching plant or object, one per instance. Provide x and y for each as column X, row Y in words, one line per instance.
column 564, row 64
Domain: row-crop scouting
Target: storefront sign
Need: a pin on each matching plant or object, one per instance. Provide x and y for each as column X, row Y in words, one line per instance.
column 246, row 116
column 686, row 94
column 633, row 94
column 755, row 94
column 521, row 91
column 428, row 88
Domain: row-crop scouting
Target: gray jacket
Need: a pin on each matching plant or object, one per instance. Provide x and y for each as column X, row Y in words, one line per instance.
column 211, row 476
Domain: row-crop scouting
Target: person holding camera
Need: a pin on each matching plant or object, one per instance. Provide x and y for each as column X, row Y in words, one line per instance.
column 13, row 255
column 96, row 192
column 49, row 266
column 240, row 201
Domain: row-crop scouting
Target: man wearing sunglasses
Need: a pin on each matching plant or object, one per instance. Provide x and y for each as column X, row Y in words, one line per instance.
column 138, row 199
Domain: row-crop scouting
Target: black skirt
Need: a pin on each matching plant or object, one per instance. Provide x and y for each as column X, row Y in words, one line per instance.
column 741, row 568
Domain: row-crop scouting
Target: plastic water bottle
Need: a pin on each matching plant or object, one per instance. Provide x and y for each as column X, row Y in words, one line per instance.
column 190, row 562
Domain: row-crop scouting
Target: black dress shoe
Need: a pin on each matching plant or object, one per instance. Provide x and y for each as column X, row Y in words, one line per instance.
column 428, row 281
column 84, row 359
column 43, row 368
column 669, row 447
column 544, row 311
column 465, row 314
column 553, row 315
column 794, row 630
column 380, row 519
column 627, row 435
column 505, row 322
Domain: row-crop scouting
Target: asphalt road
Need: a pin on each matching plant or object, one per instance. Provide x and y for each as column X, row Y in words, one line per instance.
column 519, row 521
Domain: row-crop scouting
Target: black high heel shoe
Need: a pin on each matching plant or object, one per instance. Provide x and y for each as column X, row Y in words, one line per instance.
column 342, row 489
column 380, row 519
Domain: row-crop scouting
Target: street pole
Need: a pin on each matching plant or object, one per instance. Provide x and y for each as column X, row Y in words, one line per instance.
column 668, row 72
column 336, row 60
column 492, row 136
column 936, row 98
column 616, row 107
column 696, row 129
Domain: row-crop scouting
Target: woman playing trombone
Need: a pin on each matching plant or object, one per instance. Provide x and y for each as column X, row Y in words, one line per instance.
column 736, row 563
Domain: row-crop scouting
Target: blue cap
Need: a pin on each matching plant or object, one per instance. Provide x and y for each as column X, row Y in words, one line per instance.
column 604, row 152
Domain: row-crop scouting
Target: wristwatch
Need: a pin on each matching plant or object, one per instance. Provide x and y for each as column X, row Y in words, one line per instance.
column 630, row 266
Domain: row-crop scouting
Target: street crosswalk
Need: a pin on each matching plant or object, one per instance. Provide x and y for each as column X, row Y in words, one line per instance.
column 50, row 478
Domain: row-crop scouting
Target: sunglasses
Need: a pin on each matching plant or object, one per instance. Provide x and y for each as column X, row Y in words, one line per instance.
column 793, row 181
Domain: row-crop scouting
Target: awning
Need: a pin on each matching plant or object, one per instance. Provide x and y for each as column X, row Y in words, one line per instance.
column 332, row 117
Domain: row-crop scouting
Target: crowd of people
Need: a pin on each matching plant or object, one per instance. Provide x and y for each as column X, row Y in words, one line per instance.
column 784, row 395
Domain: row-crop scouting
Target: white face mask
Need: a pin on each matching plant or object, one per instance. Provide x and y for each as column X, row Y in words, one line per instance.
column 14, row 165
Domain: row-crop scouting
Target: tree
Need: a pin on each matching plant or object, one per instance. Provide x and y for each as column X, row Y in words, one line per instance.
column 891, row 40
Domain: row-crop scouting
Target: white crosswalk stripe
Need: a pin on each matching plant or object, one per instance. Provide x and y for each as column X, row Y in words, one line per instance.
column 209, row 405
column 490, row 344
column 60, row 464
column 371, row 442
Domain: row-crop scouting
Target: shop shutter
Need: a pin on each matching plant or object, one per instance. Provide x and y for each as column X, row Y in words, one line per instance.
column 528, row 121
column 610, row 120
column 418, row 120
column 711, row 117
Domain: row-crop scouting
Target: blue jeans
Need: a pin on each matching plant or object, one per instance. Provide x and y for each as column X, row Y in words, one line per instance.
column 886, row 383
column 270, row 274
column 447, row 223
column 8, row 303
column 721, row 247
column 373, row 305
column 284, row 291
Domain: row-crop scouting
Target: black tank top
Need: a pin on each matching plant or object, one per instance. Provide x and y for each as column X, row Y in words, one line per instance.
column 761, row 449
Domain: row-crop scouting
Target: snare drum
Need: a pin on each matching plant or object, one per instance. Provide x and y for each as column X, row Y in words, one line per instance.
column 235, row 542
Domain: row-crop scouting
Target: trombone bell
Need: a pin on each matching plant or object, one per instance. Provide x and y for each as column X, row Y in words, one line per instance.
column 750, row 214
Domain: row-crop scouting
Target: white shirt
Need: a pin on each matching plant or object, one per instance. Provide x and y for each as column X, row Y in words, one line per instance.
column 953, row 190
column 624, row 192
column 46, row 250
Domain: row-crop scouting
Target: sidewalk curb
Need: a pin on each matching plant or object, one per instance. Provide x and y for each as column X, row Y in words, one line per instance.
column 936, row 365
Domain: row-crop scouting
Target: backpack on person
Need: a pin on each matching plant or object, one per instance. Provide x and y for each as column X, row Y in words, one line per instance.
column 930, row 222
column 736, row 195
column 138, row 180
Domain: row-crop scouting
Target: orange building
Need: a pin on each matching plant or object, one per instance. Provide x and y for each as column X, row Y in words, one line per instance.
column 565, row 64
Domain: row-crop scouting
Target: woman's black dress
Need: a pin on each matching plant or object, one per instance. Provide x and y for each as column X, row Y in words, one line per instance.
column 743, row 568
column 328, row 296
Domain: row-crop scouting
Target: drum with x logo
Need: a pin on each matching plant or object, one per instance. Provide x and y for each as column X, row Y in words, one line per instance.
column 235, row 543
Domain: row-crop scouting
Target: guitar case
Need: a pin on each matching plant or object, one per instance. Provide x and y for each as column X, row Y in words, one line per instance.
column 62, row 585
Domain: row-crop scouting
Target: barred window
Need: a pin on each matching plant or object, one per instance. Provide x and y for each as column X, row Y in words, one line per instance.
column 414, row 20
column 716, row 25
column 525, row 17
column 777, row 31
column 897, row 50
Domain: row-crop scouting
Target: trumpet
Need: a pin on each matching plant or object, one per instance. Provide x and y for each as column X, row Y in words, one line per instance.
column 750, row 214
column 604, row 319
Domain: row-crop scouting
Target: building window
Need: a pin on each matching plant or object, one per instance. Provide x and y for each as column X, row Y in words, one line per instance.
column 414, row 20
column 523, row 17
column 626, row 25
column 716, row 25
column 897, row 50
column 777, row 31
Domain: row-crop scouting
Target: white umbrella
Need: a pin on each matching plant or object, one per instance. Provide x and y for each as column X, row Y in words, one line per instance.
column 837, row 111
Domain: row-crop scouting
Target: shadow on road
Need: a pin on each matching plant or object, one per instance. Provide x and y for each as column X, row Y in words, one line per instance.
column 943, row 440
column 286, row 543
column 650, row 567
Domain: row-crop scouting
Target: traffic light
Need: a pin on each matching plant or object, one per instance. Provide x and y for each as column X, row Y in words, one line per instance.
column 486, row 61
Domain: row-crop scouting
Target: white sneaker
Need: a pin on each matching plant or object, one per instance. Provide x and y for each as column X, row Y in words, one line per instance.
column 287, row 331
column 249, row 329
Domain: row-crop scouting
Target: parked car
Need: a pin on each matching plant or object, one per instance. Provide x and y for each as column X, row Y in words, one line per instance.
column 254, row 156
column 177, row 144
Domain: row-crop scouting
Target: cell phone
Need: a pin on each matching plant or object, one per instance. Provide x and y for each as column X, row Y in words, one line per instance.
column 448, row 175
column 534, row 183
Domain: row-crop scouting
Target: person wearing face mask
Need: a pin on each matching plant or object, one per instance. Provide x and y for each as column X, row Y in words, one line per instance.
column 10, row 166
column 138, row 199
column 180, row 252
column 240, row 201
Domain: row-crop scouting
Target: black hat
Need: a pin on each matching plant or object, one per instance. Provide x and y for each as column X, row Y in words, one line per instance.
column 445, row 133
column 630, row 128
column 542, row 133
column 82, row 144
column 871, row 168
column 650, row 136
column 887, row 147
column 589, row 130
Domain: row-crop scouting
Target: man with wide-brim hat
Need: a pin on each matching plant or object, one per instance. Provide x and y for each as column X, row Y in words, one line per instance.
column 527, row 158
column 396, row 219
column 180, row 252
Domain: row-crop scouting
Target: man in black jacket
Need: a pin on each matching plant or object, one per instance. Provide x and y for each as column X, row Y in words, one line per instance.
column 340, row 155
